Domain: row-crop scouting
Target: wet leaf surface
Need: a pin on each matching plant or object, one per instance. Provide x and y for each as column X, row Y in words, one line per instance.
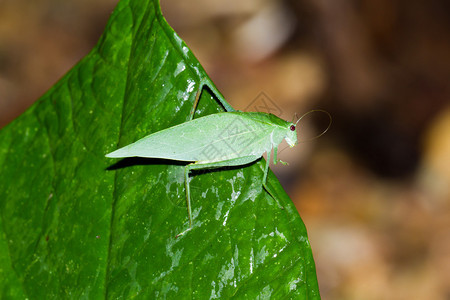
column 76, row 224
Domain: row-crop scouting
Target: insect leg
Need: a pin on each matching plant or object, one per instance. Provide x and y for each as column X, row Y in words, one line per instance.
column 210, row 165
column 197, row 98
column 266, row 170
column 275, row 157
column 188, row 198
column 218, row 95
column 275, row 153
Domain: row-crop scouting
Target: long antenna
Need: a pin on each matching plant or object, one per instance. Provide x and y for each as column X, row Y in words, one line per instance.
column 323, row 132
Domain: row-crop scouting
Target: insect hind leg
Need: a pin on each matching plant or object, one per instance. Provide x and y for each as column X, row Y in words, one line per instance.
column 210, row 165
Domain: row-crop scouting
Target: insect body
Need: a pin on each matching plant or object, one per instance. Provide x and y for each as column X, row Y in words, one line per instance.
column 214, row 138
column 214, row 141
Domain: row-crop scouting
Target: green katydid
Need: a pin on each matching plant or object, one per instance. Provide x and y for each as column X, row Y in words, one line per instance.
column 223, row 139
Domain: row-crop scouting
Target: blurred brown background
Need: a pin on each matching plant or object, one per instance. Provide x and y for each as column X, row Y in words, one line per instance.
column 374, row 192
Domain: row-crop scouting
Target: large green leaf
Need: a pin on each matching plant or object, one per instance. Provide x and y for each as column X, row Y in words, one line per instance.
column 75, row 224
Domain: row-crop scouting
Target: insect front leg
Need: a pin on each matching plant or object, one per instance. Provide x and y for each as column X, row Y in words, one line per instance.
column 275, row 158
column 275, row 153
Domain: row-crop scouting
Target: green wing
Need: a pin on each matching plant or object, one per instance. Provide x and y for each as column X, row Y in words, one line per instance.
column 211, row 138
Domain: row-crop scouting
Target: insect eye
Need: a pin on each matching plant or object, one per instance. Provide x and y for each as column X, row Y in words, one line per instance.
column 292, row 128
